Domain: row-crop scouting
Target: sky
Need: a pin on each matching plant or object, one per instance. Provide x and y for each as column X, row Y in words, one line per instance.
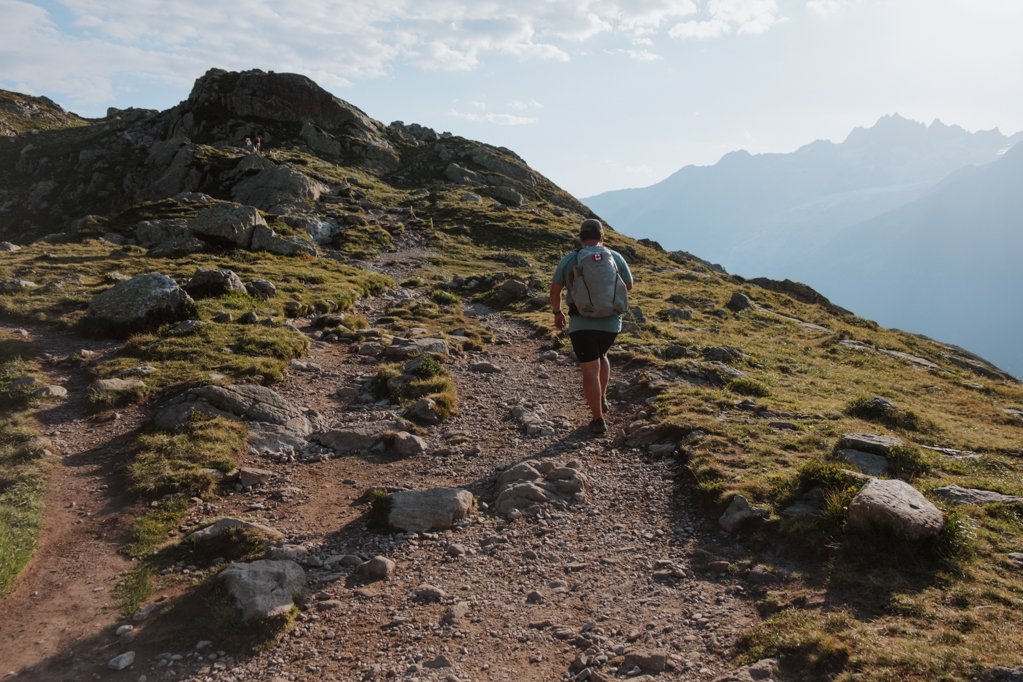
column 594, row 94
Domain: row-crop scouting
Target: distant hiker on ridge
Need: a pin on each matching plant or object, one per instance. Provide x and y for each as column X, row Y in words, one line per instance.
column 597, row 280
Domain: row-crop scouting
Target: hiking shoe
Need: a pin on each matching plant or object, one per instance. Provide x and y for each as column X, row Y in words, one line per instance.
column 604, row 405
column 598, row 426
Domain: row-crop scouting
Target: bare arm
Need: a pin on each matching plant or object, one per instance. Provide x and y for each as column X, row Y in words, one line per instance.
column 559, row 317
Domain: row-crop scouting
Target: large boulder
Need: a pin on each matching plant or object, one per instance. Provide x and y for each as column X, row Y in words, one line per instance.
column 140, row 303
column 897, row 506
column 168, row 237
column 265, row 239
column 228, row 223
column 277, row 189
column 264, row 589
column 211, row 282
column 423, row 510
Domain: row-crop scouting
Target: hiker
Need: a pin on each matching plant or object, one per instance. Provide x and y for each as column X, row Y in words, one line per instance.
column 257, row 141
column 597, row 280
column 248, row 144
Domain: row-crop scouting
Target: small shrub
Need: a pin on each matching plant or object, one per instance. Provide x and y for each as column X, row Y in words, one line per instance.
column 883, row 412
column 105, row 399
column 151, row 530
column 234, row 544
column 354, row 322
column 429, row 366
column 748, row 387
column 379, row 510
column 384, row 373
column 907, row 462
column 444, row 297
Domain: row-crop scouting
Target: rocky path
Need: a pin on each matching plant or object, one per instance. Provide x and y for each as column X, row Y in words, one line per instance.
column 64, row 596
column 616, row 585
column 529, row 599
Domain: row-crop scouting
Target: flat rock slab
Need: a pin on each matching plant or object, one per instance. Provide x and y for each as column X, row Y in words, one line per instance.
column 422, row 510
column 963, row 455
column 959, row 495
column 911, row 359
column 868, row 463
column 869, row 442
column 219, row 528
column 245, row 402
column 898, row 506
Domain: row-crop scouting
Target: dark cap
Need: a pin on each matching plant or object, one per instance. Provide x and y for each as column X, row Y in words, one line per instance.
column 591, row 229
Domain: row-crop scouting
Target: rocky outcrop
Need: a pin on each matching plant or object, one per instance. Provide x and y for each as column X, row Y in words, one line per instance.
column 531, row 485
column 228, row 223
column 897, row 506
column 220, row 97
column 169, row 238
column 276, row 188
column 142, row 302
column 274, row 424
column 264, row 589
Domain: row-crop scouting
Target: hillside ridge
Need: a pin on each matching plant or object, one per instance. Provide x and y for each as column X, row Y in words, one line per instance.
column 309, row 406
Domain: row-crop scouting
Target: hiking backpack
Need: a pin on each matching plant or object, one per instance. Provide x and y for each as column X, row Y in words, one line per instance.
column 595, row 285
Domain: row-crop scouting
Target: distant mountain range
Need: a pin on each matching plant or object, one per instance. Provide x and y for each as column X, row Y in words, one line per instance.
column 917, row 226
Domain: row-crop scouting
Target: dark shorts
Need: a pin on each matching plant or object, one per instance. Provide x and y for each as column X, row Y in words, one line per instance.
column 590, row 345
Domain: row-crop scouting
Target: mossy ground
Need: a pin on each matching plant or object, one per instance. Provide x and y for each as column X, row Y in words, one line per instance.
column 947, row 616
column 22, row 467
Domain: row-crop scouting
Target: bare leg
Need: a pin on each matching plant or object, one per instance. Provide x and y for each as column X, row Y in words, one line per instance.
column 605, row 376
column 591, row 387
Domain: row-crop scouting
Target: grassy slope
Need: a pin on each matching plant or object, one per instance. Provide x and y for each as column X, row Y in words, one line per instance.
column 22, row 468
column 947, row 616
column 42, row 114
column 940, row 616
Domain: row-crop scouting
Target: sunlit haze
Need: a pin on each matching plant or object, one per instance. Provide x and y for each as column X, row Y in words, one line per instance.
column 595, row 94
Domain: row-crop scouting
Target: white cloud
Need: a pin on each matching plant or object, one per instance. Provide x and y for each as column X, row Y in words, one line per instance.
column 520, row 105
column 637, row 55
column 724, row 17
column 492, row 117
column 108, row 46
column 825, row 7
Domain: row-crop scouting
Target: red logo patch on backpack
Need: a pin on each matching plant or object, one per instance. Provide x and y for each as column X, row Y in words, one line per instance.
column 598, row 256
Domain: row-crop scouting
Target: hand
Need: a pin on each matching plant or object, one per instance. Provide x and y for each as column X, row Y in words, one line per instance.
column 559, row 320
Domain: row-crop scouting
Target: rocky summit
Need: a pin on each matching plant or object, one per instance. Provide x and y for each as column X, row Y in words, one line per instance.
column 283, row 399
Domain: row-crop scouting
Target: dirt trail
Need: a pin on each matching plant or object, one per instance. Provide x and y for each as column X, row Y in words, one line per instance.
column 571, row 589
column 64, row 595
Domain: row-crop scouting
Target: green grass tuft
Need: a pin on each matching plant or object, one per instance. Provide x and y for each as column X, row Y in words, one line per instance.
column 748, row 387
column 872, row 409
column 190, row 463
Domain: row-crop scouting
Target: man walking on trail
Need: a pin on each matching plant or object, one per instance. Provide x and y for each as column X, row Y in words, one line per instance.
column 596, row 279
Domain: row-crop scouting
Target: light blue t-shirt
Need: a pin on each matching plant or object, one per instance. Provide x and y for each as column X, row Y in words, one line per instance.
column 578, row 322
